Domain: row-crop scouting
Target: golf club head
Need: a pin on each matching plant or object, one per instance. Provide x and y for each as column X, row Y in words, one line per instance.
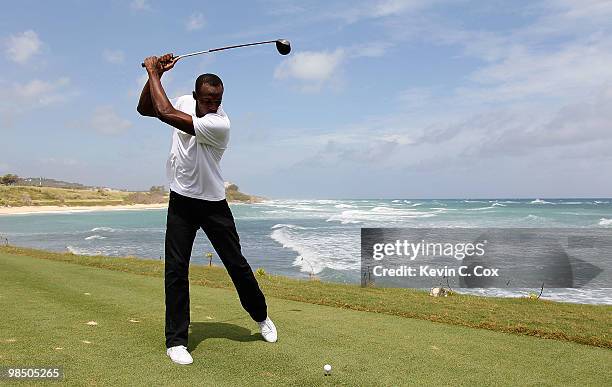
column 283, row 46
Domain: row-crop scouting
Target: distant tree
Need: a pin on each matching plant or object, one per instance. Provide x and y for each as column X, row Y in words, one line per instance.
column 157, row 188
column 9, row 179
column 231, row 187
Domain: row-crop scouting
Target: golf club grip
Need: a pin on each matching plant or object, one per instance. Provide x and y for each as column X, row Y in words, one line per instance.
column 173, row 58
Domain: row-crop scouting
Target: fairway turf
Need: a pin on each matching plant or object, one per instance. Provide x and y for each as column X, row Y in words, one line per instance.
column 580, row 323
column 45, row 306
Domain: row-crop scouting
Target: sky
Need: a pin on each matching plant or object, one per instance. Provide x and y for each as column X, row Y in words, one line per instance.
column 378, row 98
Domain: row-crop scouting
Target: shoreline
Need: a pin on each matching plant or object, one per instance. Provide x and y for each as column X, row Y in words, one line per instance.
column 26, row 210
column 29, row 210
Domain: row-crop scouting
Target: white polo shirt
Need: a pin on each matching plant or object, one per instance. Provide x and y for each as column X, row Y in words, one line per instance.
column 193, row 168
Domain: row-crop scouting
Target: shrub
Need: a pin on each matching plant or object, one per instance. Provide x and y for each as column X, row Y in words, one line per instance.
column 26, row 200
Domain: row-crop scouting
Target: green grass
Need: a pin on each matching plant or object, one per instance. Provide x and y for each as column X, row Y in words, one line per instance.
column 584, row 324
column 44, row 307
column 49, row 196
column 16, row 196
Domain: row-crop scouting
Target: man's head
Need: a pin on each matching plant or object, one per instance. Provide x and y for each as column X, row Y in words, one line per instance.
column 208, row 94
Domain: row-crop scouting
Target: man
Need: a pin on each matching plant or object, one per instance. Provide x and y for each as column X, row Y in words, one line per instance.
column 197, row 200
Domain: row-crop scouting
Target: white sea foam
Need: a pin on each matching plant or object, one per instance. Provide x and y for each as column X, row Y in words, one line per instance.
column 344, row 206
column 540, row 201
column 605, row 222
column 95, row 237
column 381, row 214
column 581, row 296
column 396, row 201
column 291, row 226
column 316, row 252
column 346, row 217
column 480, row 208
column 106, row 229
column 498, row 205
column 534, row 218
column 475, row 201
column 325, row 201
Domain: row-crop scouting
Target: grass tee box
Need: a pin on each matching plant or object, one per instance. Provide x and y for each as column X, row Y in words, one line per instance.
column 105, row 327
column 584, row 324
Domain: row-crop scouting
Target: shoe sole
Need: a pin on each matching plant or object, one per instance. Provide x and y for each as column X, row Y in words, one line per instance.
column 178, row 362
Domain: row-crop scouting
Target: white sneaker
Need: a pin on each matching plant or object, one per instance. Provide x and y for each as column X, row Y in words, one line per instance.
column 179, row 354
column 268, row 330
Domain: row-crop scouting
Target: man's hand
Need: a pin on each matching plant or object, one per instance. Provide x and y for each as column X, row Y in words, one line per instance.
column 167, row 62
column 160, row 65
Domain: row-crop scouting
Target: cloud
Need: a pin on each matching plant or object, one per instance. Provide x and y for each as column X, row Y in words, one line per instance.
column 571, row 126
column 42, row 93
column 343, row 147
column 395, row 7
column 106, row 121
column 313, row 67
column 113, row 56
column 195, row 22
column 140, row 5
column 21, row 47
column 355, row 12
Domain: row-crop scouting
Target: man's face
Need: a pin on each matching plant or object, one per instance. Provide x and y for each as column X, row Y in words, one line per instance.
column 208, row 99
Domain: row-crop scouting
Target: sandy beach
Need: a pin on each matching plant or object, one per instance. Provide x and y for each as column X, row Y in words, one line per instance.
column 67, row 209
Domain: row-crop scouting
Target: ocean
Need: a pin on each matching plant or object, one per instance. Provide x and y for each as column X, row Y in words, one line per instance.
column 297, row 238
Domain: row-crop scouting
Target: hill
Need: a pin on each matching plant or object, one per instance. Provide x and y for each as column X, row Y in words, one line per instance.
column 27, row 195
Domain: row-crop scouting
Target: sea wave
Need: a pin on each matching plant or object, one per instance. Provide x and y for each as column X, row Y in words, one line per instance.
column 534, row 218
column 381, row 214
column 316, row 252
column 481, row 208
column 106, row 229
column 605, row 222
column 95, row 237
column 344, row 206
column 580, row 296
column 540, row 201
column 291, row 226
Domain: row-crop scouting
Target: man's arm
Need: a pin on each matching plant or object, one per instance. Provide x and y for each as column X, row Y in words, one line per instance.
column 162, row 106
column 145, row 105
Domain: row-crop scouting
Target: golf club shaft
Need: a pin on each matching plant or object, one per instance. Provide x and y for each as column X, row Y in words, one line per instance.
column 219, row 49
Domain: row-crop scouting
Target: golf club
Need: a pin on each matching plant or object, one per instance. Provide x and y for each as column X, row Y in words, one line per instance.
column 282, row 45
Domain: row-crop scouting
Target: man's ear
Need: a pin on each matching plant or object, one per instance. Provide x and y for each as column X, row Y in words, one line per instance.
column 194, row 94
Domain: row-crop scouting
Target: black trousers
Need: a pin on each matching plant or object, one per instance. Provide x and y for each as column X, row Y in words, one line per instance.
column 185, row 216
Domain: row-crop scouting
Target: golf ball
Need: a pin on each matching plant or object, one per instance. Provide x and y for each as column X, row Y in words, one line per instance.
column 327, row 368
